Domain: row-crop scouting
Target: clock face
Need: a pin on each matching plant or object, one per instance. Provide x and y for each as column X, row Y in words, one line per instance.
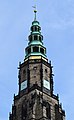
column 46, row 84
column 24, row 85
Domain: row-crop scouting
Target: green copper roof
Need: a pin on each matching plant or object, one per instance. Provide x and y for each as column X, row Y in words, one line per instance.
column 36, row 32
column 36, row 42
column 35, row 23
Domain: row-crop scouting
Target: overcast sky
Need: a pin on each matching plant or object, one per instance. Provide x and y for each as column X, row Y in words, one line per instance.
column 56, row 18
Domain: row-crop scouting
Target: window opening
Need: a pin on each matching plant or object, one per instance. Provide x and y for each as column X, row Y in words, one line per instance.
column 30, row 38
column 29, row 50
column 46, row 70
column 35, row 37
column 24, row 112
column 39, row 28
column 36, row 28
column 48, row 113
column 42, row 50
column 35, row 49
column 31, row 28
column 40, row 38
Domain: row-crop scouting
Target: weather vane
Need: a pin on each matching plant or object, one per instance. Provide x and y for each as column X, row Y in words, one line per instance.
column 35, row 11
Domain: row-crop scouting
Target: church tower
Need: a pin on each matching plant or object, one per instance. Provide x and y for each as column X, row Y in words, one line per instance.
column 35, row 99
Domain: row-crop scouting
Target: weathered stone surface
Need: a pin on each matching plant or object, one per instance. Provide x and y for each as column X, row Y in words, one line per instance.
column 36, row 102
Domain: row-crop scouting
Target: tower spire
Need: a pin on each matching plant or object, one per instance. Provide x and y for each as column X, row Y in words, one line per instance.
column 35, row 11
column 35, row 46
